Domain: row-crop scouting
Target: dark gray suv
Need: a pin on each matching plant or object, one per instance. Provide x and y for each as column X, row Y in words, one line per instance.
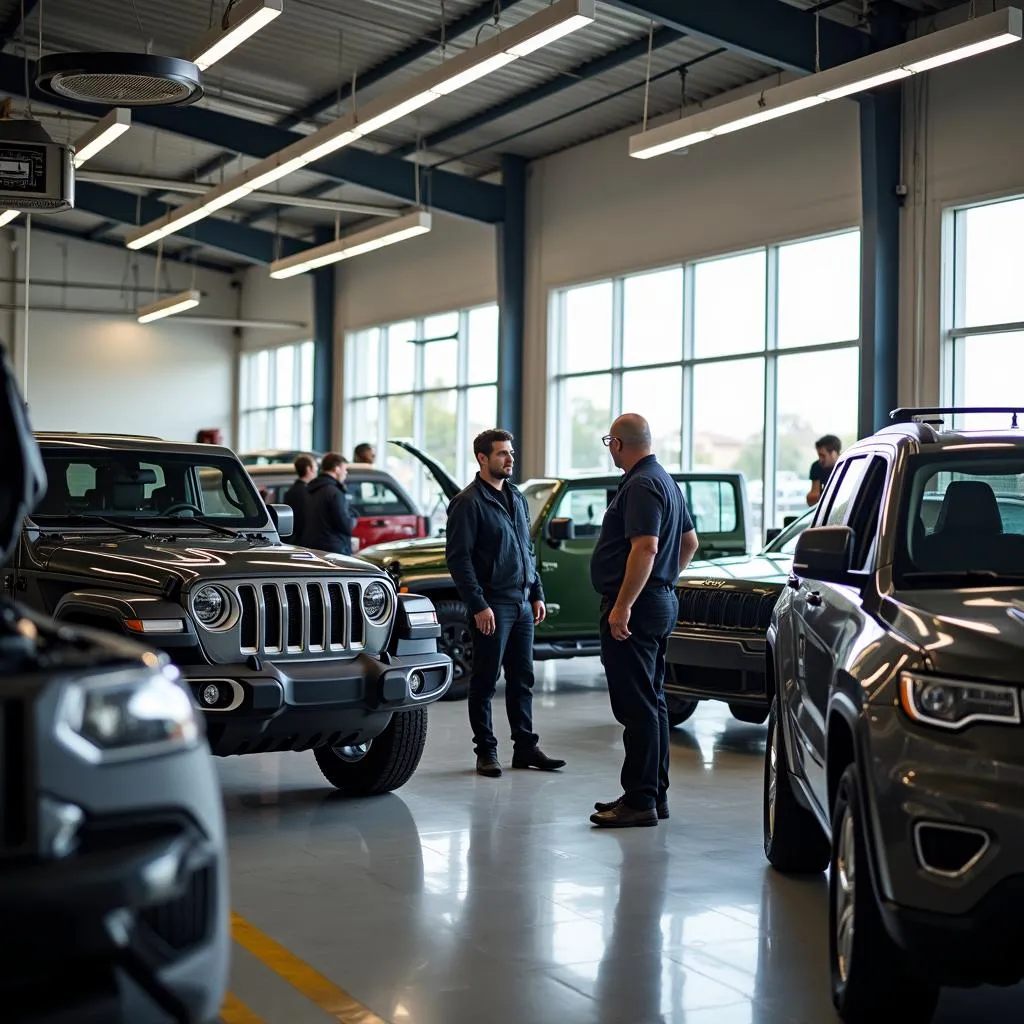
column 896, row 744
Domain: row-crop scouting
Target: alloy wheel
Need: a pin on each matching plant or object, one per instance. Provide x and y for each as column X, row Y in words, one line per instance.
column 773, row 778
column 353, row 752
column 457, row 643
column 845, row 892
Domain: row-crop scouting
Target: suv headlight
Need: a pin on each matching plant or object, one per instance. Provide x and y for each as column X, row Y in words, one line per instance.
column 956, row 703
column 126, row 716
column 377, row 603
column 211, row 606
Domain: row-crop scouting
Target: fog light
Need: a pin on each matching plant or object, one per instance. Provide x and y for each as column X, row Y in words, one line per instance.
column 417, row 682
column 58, row 826
column 211, row 694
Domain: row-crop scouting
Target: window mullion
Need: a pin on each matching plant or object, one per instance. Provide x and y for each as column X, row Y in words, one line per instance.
column 769, row 451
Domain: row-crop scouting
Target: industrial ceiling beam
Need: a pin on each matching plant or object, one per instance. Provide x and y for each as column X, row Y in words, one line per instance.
column 448, row 192
column 766, row 30
column 582, row 72
column 250, row 244
column 14, row 21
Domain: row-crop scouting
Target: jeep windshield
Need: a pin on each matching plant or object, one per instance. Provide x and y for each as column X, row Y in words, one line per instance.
column 151, row 490
column 537, row 493
column 962, row 519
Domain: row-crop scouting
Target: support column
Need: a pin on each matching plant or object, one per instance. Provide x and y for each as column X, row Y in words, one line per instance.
column 881, row 129
column 324, row 298
column 511, row 245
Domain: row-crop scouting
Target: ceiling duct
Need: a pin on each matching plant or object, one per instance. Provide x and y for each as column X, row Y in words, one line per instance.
column 120, row 79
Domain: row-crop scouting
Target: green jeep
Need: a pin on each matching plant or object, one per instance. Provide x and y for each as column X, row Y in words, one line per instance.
column 566, row 516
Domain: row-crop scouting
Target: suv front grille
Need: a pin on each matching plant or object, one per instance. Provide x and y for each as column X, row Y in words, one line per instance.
column 729, row 609
column 284, row 618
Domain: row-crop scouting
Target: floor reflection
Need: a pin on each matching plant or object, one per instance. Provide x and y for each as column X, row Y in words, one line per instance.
column 462, row 899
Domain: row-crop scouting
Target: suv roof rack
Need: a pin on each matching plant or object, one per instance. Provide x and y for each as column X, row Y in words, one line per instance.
column 907, row 414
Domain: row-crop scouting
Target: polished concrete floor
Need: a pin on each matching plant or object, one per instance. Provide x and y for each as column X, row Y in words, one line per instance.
column 464, row 900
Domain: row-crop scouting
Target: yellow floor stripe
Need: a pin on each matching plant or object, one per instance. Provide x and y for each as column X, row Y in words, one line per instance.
column 234, row 1011
column 311, row 983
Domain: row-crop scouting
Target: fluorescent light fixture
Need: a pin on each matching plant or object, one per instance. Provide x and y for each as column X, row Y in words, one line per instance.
column 169, row 306
column 356, row 244
column 102, row 134
column 7, row 216
column 246, row 19
column 933, row 50
column 496, row 51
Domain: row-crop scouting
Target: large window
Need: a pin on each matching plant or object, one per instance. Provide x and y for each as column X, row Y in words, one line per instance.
column 276, row 398
column 984, row 349
column 432, row 381
column 739, row 363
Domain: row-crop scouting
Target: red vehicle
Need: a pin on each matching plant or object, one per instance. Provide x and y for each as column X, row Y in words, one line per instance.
column 385, row 509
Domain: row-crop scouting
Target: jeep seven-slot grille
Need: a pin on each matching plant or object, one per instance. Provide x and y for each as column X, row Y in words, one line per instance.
column 730, row 609
column 300, row 618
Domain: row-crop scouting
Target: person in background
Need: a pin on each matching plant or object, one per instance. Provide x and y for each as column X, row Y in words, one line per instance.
column 209, row 435
column 490, row 557
column 647, row 538
column 330, row 519
column 297, row 497
column 828, row 448
column 365, row 454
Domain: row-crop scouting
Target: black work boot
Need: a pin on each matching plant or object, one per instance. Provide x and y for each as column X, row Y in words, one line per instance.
column 624, row 816
column 536, row 758
column 487, row 764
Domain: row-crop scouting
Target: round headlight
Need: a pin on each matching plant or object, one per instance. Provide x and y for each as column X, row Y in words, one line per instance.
column 210, row 606
column 375, row 602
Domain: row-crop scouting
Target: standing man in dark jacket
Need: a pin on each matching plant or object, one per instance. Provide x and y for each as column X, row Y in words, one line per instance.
column 490, row 557
column 297, row 498
column 647, row 538
column 331, row 520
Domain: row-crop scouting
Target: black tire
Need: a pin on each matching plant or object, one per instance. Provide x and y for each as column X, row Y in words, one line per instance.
column 872, row 979
column 794, row 842
column 679, row 709
column 457, row 642
column 752, row 714
column 388, row 763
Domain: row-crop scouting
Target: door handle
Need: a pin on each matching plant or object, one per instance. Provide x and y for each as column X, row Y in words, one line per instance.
column 814, row 599
column 378, row 522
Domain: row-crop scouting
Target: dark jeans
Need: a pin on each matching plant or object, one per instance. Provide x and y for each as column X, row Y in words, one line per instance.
column 636, row 687
column 509, row 646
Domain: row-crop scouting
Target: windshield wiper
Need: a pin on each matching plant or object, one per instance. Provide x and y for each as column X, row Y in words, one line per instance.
column 959, row 575
column 203, row 521
column 120, row 527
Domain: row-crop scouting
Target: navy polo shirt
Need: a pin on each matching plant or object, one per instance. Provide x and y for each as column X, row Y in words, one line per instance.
column 647, row 503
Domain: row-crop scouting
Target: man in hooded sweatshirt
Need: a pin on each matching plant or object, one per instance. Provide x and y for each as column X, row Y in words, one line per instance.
column 329, row 517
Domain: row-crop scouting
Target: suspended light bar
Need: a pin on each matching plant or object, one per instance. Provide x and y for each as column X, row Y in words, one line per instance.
column 240, row 21
column 356, row 244
column 553, row 22
column 169, row 306
column 7, row 216
column 922, row 54
column 102, row 134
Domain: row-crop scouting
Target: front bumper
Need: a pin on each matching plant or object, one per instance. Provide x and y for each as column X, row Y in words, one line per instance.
column 133, row 924
column 947, row 841
column 304, row 704
column 708, row 662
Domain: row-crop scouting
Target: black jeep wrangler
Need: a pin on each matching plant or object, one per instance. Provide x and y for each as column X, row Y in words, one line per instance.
column 113, row 865
column 283, row 648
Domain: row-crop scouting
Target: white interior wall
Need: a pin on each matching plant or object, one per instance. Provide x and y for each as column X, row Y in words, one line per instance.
column 264, row 298
column 110, row 373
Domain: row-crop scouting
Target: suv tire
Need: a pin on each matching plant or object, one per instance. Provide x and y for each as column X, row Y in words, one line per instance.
column 793, row 840
column 457, row 642
column 679, row 709
column 752, row 714
column 871, row 979
column 388, row 763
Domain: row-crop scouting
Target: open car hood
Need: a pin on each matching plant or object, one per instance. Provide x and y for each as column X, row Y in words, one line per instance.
column 440, row 474
column 22, row 473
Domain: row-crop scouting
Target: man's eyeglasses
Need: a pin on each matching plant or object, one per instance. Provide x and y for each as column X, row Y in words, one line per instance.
column 607, row 440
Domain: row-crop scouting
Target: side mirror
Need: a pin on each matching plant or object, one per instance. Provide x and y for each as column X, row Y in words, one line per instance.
column 771, row 533
column 283, row 519
column 560, row 529
column 824, row 553
column 789, row 521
